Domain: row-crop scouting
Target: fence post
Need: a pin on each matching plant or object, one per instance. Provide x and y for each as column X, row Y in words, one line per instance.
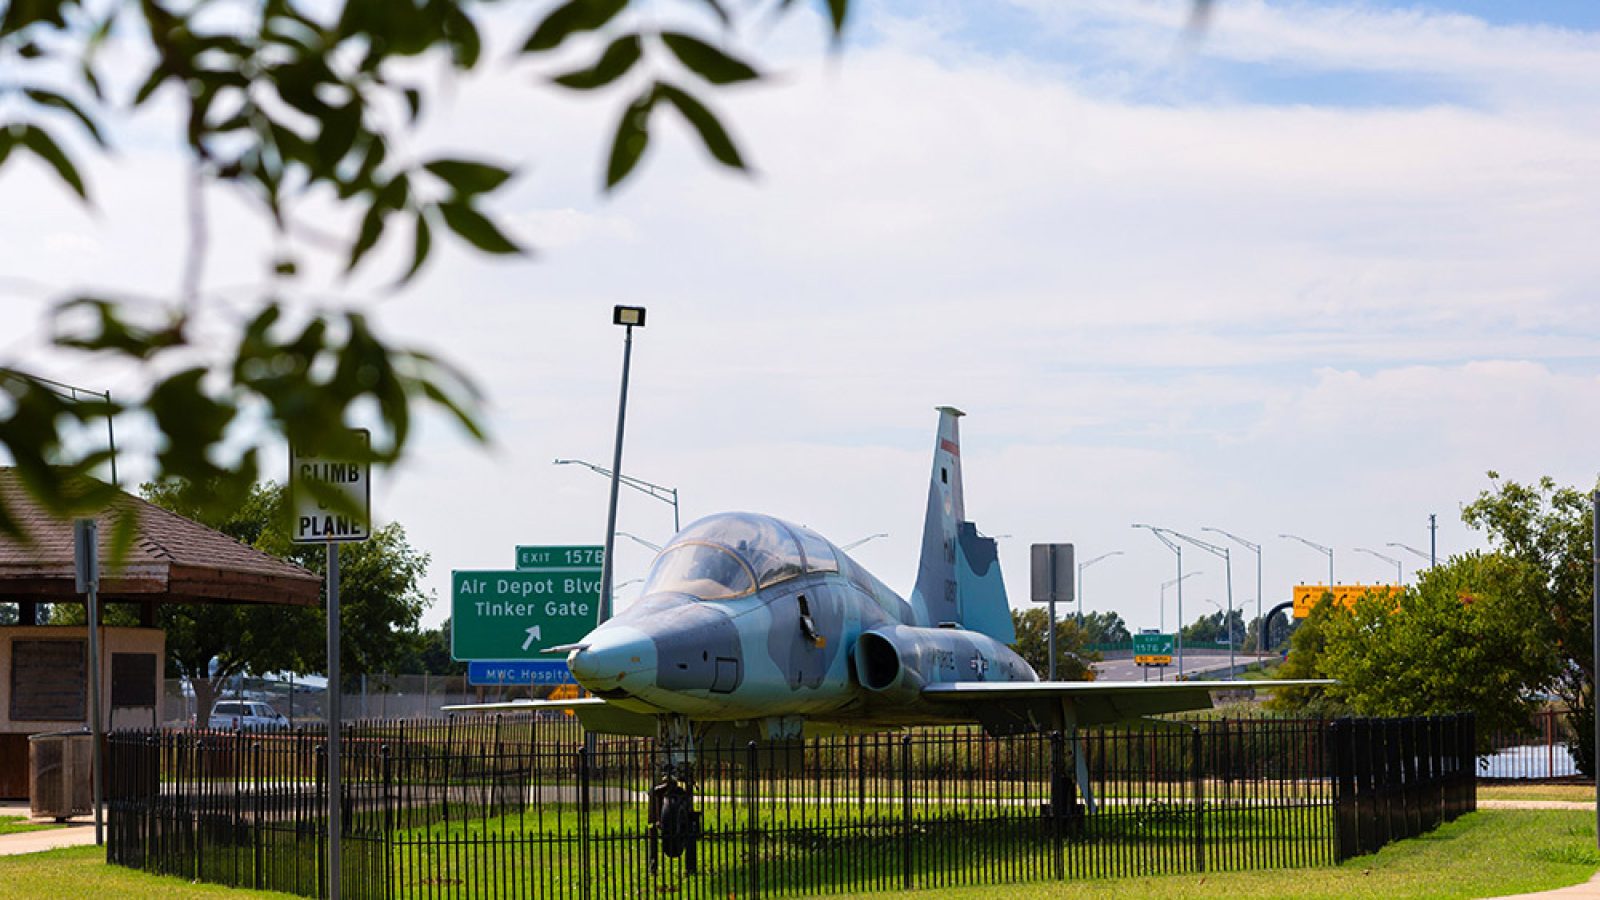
column 752, row 809
column 905, row 809
column 258, row 831
column 1058, row 795
column 583, row 821
column 388, row 819
column 1199, row 799
column 1343, row 777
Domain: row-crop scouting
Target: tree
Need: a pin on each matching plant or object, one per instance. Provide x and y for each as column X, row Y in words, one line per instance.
column 430, row 654
column 1279, row 626
column 1548, row 531
column 289, row 104
column 379, row 594
column 1074, row 659
column 1211, row 629
column 1307, row 651
column 1104, row 628
column 1457, row 641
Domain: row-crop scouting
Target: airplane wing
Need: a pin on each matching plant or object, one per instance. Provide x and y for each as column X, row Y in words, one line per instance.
column 1011, row 707
column 595, row 713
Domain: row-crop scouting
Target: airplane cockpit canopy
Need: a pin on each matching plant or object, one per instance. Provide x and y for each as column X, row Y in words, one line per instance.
column 732, row 555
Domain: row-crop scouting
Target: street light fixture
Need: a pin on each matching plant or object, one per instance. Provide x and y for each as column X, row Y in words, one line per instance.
column 1177, row 548
column 1316, row 546
column 871, row 537
column 628, row 317
column 1084, row 565
column 664, row 494
column 1398, row 576
column 1261, row 624
column 1227, row 565
column 1410, row 549
column 639, row 540
column 1169, row 583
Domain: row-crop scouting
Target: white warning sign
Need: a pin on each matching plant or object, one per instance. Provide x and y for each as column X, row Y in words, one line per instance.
column 316, row 519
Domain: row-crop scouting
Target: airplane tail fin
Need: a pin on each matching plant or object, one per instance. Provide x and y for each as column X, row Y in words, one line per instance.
column 958, row 577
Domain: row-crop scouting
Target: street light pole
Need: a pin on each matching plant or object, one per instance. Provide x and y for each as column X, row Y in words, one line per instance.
column 1399, row 575
column 1316, row 546
column 1177, row 548
column 1079, row 592
column 1227, row 564
column 628, row 317
column 664, row 494
column 1261, row 624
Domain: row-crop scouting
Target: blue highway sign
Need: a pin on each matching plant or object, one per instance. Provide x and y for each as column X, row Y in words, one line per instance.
column 494, row 674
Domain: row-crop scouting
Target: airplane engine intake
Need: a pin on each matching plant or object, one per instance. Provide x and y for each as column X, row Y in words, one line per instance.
column 899, row 660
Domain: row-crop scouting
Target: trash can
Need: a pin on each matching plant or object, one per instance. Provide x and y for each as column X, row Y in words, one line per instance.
column 61, row 774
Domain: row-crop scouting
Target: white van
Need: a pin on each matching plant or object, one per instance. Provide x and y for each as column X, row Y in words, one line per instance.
column 247, row 714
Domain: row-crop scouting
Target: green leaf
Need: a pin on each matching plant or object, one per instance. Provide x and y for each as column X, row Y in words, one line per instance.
column 476, row 228
column 44, row 146
column 571, row 18
column 632, row 137
column 465, row 44
column 371, row 230
column 58, row 101
column 466, row 177
column 422, row 243
column 838, row 11
column 612, row 64
column 712, row 134
column 707, row 61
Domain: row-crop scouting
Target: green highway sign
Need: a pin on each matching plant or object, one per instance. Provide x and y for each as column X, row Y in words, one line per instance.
column 508, row 616
column 561, row 558
column 1152, row 649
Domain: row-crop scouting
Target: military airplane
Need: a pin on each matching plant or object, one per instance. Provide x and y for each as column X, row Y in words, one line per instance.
column 753, row 628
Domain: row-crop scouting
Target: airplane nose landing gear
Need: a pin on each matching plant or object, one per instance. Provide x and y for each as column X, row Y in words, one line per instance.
column 674, row 823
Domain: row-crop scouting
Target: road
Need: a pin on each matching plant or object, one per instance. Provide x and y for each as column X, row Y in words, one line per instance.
column 1195, row 662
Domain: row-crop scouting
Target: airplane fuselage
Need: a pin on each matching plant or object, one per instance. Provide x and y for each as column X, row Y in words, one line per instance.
column 833, row 646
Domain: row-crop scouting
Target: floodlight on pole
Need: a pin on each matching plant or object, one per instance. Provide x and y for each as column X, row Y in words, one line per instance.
column 629, row 317
column 858, row 542
column 667, row 495
column 1177, row 548
column 1316, row 546
column 1399, row 577
column 1084, row 565
column 1227, row 565
column 1261, row 623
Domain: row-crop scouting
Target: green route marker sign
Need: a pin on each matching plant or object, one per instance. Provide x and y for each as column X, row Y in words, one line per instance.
column 560, row 558
column 511, row 615
column 1152, row 649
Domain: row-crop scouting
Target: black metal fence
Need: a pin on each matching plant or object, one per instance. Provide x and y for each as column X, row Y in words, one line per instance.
column 522, row 807
column 1542, row 751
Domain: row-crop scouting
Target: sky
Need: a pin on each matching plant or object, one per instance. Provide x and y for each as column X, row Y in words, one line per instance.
column 1315, row 271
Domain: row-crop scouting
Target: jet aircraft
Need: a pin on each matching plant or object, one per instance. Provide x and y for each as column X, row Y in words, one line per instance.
column 750, row 627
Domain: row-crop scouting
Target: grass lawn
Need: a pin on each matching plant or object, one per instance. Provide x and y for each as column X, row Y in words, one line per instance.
column 1578, row 793
column 78, row 872
column 17, row 825
column 1483, row 854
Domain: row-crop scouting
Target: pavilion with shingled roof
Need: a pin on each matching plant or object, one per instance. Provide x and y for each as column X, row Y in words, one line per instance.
column 171, row 559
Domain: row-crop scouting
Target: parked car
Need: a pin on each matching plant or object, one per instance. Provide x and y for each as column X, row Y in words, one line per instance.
column 247, row 714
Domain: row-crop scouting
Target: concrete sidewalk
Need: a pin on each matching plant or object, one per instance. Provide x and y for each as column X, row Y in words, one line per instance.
column 77, row 832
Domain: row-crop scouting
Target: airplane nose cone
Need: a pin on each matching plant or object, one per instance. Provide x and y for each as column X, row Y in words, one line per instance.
column 614, row 659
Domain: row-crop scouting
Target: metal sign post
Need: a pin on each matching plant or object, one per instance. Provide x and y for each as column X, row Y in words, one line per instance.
column 86, row 572
column 317, row 523
column 1052, row 582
